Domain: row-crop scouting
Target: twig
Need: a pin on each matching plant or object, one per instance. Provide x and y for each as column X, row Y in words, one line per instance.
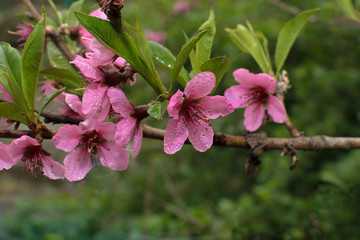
column 35, row 14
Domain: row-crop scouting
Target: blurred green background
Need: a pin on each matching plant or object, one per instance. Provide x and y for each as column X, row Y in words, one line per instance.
column 192, row 195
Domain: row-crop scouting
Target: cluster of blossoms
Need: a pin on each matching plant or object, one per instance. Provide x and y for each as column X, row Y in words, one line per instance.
column 190, row 112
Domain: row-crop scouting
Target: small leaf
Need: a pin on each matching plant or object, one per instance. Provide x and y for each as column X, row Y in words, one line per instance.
column 246, row 40
column 66, row 77
column 184, row 54
column 13, row 88
column 158, row 109
column 166, row 59
column 71, row 20
column 31, row 59
column 204, row 46
column 122, row 45
column 218, row 66
column 10, row 61
column 48, row 99
column 12, row 111
column 288, row 35
column 56, row 12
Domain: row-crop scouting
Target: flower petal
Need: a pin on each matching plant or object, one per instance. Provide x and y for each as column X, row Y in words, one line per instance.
column 125, row 131
column 93, row 98
column 77, row 165
column 119, row 102
column 74, row 103
column 276, row 109
column 237, row 96
column 105, row 109
column 175, row 103
column 244, row 77
column 17, row 147
column 136, row 144
column 114, row 157
column 67, row 137
column 200, row 85
column 52, row 169
column 201, row 134
column 106, row 129
column 215, row 106
column 175, row 135
column 266, row 81
column 254, row 116
column 6, row 161
column 88, row 69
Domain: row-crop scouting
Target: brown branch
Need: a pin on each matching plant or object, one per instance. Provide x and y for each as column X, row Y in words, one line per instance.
column 315, row 143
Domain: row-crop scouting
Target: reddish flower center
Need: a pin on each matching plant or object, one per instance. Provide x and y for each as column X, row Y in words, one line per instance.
column 91, row 141
column 256, row 95
column 192, row 112
column 32, row 158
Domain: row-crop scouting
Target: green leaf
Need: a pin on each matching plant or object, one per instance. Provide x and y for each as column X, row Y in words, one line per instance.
column 287, row 37
column 71, row 19
column 56, row 58
column 11, row 111
column 349, row 9
column 184, row 54
column 13, row 88
column 47, row 100
column 158, row 109
column 10, row 61
column 31, row 59
column 122, row 45
column 56, row 12
column 218, row 66
column 204, row 46
column 166, row 59
column 66, row 77
column 246, row 39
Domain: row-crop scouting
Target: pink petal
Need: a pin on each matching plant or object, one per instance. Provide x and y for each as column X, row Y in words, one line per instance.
column 106, row 129
column 74, row 103
column 17, row 147
column 105, row 109
column 100, row 55
column 136, row 144
column 276, row 109
column 215, row 106
column 119, row 102
column 67, row 137
column 266, row 81
column 175, row 135
column 119, row 62
column 200, row 85
column 88, row 68
column 86, row 37
column 93, row 98
column 125, row 131
column 6, row 161
column 245, row 78
column 201, row 134
column 254, row 116
column 77, row 165
column 114, row 157
column 237, row 96
column 175, row 103
column 53, row 169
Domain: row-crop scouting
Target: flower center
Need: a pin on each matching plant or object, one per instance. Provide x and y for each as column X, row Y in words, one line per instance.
column 256, row 95
column 193, row 112
column 32, row 159
column 91, row 141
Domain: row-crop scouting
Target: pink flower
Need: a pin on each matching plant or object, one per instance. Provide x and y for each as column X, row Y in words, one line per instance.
column 24, row 32
column 30, row 152
column 91, row 138
column 181, row 7
column 158, row 36
column 191, row 114
column 99, row 54
column 6, row 161
column 128, row 126
column 255, row 93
